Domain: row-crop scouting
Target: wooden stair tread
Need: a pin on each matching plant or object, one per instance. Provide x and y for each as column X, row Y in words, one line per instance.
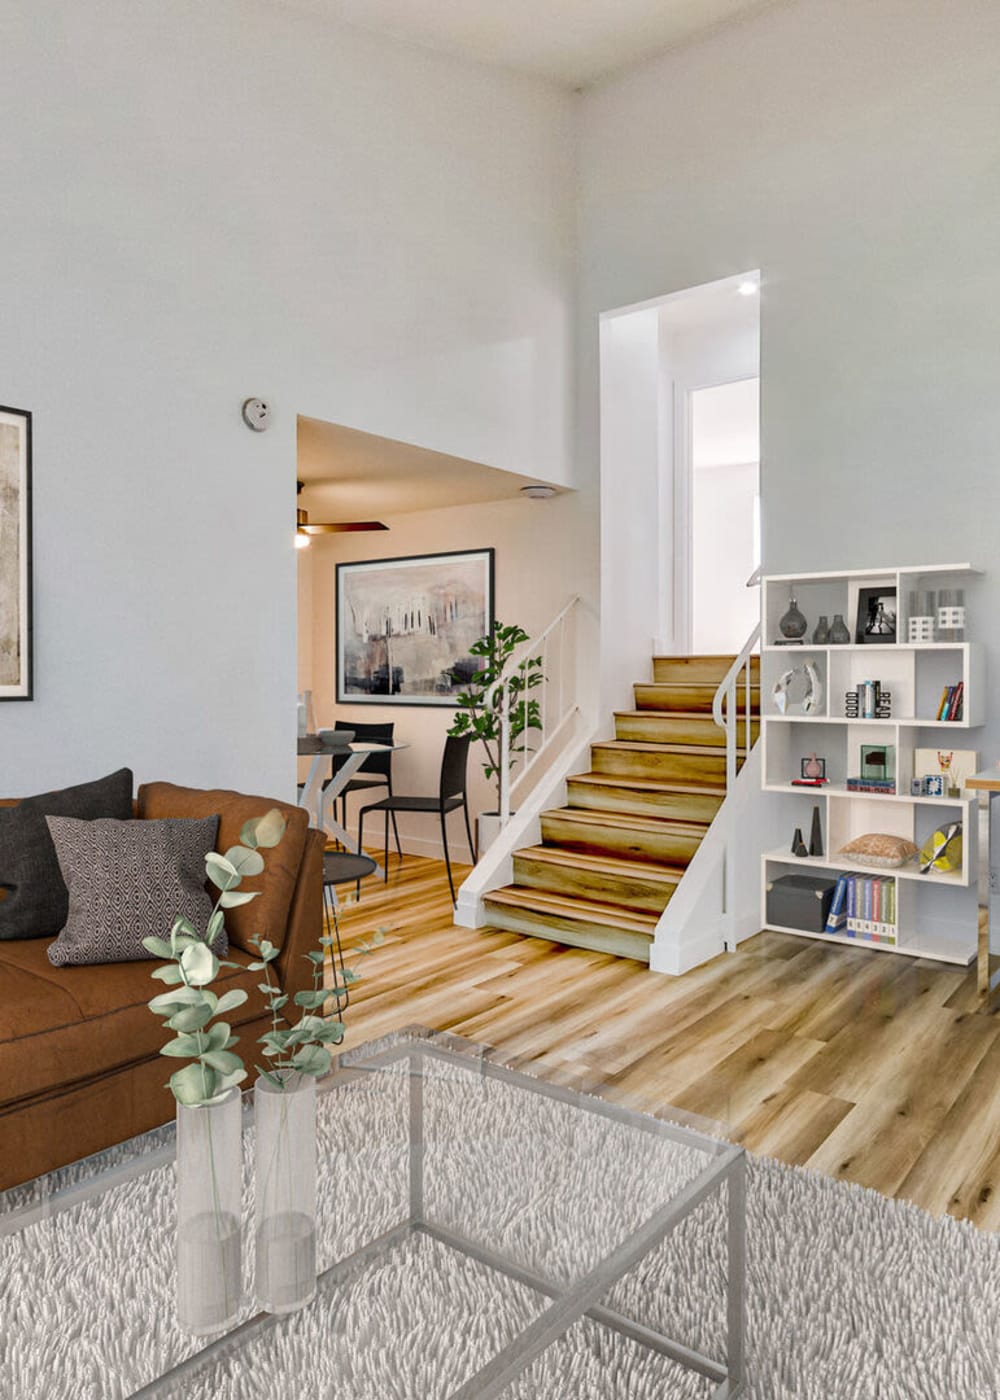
column 588, row 911
column 629, row 821
column 651, row 784
column 669, row 715
column 602, row 864
column 644, row 746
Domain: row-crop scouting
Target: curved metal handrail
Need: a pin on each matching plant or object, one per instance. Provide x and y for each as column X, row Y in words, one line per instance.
column 724, row 709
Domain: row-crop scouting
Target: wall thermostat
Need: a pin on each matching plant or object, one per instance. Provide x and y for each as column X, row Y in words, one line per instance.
column 256, row 414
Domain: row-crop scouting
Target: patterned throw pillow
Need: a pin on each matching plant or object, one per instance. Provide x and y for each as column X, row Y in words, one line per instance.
column 128, row 880
column 879, row 850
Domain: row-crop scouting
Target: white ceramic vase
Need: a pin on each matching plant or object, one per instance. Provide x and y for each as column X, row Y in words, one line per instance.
column 285, row 1212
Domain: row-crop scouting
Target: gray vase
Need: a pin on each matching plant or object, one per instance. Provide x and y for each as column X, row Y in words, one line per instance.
column 839, row 632
column 793, row 625
column 822, row 634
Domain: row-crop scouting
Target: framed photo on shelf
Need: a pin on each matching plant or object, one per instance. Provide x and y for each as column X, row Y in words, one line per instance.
column 16, row 662
column 405, row 627
column 876, row 616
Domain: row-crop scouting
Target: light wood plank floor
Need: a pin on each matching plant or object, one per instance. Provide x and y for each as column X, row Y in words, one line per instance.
column 870, row 1067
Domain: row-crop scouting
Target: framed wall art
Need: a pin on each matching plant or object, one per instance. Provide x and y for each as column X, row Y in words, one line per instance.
column 15, row 555
column 405, row 626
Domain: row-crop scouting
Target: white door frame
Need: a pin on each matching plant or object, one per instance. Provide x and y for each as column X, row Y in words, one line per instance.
column 683, row 505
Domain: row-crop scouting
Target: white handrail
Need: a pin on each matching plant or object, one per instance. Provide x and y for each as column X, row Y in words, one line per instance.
column 724, row 708
column 551, row 646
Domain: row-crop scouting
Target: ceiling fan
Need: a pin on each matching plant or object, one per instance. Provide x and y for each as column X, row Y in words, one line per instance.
column 304, row 531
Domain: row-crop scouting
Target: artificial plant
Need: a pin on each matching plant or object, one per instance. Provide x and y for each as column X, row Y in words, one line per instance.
column 190, row 1007
column 481, row 707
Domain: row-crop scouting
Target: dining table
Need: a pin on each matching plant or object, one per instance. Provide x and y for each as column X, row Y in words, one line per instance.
column 320, row 791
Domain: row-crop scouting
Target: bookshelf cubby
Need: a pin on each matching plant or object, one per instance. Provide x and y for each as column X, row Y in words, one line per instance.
column 936, row 913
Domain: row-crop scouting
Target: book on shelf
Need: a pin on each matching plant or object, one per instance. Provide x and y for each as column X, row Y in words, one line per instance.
column 952, row 701
column 883, row 785
column 864, row 907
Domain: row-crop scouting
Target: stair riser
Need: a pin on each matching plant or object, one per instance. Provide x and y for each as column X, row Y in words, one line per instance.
column 691, row 698
column 597, row 797
column 668, row 847
column 631, row 892
column 662, row 767
column 665, row 729
column 701, row 670
column 596, row 937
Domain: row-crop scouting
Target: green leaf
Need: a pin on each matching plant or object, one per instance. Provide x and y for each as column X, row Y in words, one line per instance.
column 229, row 1001
column 269, row 828
column 247, row 862
column 312, row 1059
column 191, row 1018
column 331, row 1032
column 232, row 899
column 184, row 1047
column 267, row 950
column 221, row 872
column 193, row 1084
column 167, row 1003
column 200, row 964
column 159, row 947
column 278, row 1002
column 223, row 1061
column 217, row 1036
column 182, row 926
column 312, row 999
column 318, row 958
column 248, row 834
column 215, row 926
column 267, row 988
column 229, row 1081
column 169, row 973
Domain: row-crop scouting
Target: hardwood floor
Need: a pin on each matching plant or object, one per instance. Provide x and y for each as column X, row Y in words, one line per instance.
column 870, row 1067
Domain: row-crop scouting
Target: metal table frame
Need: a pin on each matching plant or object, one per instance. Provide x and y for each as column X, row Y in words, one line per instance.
column 568, row 1303
column 323, row 801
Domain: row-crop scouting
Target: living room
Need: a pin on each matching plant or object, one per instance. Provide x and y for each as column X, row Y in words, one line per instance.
column 375, row 216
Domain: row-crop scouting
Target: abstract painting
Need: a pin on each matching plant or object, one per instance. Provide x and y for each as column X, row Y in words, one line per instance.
column 15, row 554
column 405, row 626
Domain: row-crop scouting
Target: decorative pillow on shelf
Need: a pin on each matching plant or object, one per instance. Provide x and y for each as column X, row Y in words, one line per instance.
column 128, row 880
column 35, row 900
column 878, row 849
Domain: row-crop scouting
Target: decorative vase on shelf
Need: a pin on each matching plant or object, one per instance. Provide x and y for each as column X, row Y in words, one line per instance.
column 209, row 1188
column 822, row 633
column 840, row 633
column 793, row 625
column 285, row 1160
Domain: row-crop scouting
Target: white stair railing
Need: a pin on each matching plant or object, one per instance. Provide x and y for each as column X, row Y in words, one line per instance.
column 725, row 705
column 556, row 696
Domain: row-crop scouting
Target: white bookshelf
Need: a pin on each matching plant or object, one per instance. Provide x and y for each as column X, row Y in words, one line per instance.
column 936, row 913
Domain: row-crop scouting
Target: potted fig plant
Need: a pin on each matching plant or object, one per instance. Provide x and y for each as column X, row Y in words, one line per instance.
column 481, row 708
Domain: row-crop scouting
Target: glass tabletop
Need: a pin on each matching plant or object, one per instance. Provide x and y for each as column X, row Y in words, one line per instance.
column 472, row 1221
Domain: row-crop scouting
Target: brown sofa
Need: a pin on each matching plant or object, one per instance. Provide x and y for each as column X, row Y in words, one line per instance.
column 80, row 1067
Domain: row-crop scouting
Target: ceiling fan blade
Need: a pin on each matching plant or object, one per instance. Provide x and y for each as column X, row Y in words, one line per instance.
column 343, row 527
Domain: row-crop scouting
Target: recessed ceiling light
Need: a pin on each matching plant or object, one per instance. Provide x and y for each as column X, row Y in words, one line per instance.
column 748, row 288
column 541, row 491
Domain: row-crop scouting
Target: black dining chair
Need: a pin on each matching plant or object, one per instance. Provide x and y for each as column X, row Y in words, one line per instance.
column 451, row 794
column 377, row 769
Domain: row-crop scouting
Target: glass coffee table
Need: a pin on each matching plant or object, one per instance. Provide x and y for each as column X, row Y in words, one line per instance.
column 482, row 1233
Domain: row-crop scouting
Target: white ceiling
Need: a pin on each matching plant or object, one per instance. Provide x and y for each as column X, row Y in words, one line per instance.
column 574, row 42
column 351, row 475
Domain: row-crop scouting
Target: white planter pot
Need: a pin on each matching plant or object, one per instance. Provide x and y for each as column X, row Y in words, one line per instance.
column 487, row 831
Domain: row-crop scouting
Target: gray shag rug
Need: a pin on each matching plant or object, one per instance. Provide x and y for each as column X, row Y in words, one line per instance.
column 850, row 1296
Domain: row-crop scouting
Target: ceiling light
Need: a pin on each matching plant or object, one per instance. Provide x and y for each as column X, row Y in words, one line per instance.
column 748, row 288
column 540, row 491
column 302, row 540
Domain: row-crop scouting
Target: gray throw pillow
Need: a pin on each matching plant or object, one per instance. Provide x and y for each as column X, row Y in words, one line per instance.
column 129, row 880
column 34, row 902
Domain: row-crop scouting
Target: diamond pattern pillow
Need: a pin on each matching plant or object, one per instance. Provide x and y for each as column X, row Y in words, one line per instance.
column 128, row 880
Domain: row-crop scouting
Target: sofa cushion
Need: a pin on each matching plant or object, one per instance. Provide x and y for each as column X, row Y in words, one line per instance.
column 128, row 881
column 267, row 915
column 36, row 902
column 64, row 1025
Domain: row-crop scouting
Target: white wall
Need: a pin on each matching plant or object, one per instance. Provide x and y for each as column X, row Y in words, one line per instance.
column 725, row 610
column 545, row 553
column 851, row 152
column 206, row 201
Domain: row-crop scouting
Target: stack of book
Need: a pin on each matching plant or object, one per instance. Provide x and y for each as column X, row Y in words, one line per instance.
column 864, row 906
column 951, row 702
column 884, row 785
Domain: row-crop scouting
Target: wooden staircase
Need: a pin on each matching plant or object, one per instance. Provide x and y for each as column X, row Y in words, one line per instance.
column 611, row 859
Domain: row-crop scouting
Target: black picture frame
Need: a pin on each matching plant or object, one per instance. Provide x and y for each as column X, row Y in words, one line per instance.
column 16, row 558
column 812, row 758
column 869, row 600
column 472, row 570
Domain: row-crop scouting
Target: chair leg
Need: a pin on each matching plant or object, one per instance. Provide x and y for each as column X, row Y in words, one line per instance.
column 468, row 831
column 385, row 858
column 395, row 828
column 342, row 996
column 447, row 861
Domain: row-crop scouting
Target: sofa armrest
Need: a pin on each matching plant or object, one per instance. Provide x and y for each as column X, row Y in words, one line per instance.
column 305, row 918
